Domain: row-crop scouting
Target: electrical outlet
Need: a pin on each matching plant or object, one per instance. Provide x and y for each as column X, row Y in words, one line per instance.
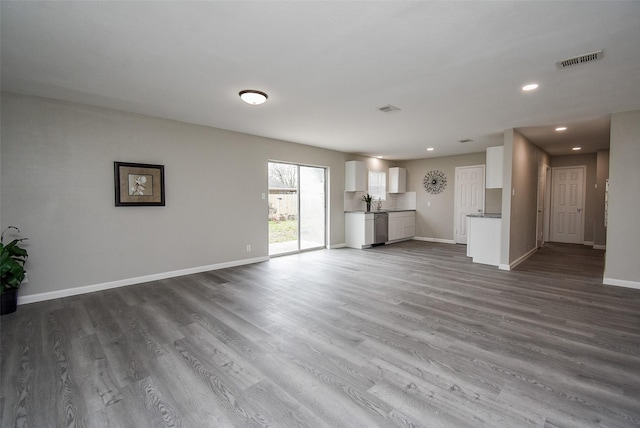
column 248, row 248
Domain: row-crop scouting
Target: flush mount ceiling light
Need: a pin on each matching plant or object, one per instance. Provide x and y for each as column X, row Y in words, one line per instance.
column 577, row 148
column 253, row 97
column 561, row 128
column 430, row 149
column 530, row 87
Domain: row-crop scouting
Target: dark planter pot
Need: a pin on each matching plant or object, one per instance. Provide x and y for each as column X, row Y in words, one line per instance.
column 8, row 301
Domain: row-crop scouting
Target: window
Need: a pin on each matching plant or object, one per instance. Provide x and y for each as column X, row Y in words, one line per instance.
column 378, row 185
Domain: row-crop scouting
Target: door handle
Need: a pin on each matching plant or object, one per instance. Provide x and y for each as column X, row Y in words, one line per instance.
column 579, row 210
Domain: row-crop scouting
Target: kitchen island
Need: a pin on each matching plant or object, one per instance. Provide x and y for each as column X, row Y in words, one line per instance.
column 484, row 237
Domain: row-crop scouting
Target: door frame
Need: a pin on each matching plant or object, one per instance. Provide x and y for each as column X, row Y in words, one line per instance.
column 584, row 199
column 546, row 227
column 455, row 195
column 542, row 207
column 326, row 206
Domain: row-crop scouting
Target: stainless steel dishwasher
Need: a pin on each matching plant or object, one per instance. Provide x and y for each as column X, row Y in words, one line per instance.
column 381, row 227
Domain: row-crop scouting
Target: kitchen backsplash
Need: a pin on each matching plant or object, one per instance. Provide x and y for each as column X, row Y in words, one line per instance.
column 395, row 201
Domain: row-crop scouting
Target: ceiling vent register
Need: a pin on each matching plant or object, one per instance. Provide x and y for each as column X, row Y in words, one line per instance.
column 578, row 60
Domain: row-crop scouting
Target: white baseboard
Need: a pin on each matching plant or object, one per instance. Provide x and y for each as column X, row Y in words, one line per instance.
column 588, row 243
column 442, row 241
column 519, row 260
column 399, row 240
column 621, row 283
column 33, row 298
column 334, row 246
column 599, row 247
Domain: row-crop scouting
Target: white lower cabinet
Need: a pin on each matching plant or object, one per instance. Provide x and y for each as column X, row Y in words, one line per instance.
column 402, row 225
column 484, row 235
column 359, row 231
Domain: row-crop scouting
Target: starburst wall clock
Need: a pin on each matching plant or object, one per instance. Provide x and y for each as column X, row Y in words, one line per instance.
column 434, row 182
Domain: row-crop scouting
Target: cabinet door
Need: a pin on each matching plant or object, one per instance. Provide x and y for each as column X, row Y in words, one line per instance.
column 355, row 178
column 396, row 226
column 397, row 180
column 495, row 157
column 409, row 225
column 369, row 232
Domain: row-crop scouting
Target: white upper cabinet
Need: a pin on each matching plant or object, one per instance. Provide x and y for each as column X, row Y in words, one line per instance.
column 397, row 180
column 495, row 156
column 355, row 177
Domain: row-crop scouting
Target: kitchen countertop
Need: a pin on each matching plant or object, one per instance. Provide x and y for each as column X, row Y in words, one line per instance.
column 375, row 211
column 485, row 215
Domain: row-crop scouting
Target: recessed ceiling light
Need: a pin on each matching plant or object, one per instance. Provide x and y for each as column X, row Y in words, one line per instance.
column 561, row 128
column 530, row 87
column 577, row 148
column 430, row 149
column 253, row 97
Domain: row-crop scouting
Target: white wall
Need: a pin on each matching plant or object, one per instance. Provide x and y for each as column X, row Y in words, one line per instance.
column 57, row 186
column 623, row 232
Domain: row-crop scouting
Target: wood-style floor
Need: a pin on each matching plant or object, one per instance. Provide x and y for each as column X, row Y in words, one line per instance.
column 411, row 334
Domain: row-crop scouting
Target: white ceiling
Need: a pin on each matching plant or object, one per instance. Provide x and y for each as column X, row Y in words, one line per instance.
column 455, row 69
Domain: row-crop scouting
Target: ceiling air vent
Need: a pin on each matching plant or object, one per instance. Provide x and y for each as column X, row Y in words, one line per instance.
column 577, row 60
column 388, row 108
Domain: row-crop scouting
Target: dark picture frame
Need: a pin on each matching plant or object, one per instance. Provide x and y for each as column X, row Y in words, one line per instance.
column 138, row 184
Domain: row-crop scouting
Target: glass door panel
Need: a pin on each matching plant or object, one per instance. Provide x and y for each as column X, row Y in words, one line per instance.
column 283, row 208
column 312, row 207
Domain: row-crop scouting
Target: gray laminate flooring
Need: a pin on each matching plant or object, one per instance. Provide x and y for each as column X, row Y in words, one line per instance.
column 411, row 334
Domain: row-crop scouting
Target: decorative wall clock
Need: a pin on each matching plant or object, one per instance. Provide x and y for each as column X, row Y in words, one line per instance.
column 434, row 182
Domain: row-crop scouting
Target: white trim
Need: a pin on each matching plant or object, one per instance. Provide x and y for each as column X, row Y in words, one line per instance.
column 588, row 243
column 399, row 240
column 332, row 247
column 33, row 298
column 516, row 262
column 599, row 247
column 442, row 241
column 621, row 283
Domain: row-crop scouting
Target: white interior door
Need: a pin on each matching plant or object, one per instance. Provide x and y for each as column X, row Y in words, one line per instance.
column 568, row 204
column 469, row 198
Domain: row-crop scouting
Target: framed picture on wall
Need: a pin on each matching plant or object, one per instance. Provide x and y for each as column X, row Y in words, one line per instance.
column 138, row 184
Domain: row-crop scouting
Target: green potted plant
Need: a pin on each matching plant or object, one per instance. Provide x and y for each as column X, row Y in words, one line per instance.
column 12, row 272
column 367, row 199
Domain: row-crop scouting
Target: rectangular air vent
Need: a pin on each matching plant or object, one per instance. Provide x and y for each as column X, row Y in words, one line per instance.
column 577, row 60
column 388, row 108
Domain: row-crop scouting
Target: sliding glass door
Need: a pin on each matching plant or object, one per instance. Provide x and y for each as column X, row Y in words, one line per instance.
column 312, row 207
column 297, row 208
